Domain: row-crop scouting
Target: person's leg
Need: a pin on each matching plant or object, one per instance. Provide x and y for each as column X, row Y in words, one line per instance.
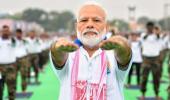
column 41, row 62
column 44, row 59
column 169, row 74
column 145, row 75
column 36, row 67
column 46, row 56
column 30, row 65
column 11, row 81
column 168, row 92
column 156, row 72
column 24, row 71
column 2, row 82
column 130, row 74
column 162, row 57
column 138, row 67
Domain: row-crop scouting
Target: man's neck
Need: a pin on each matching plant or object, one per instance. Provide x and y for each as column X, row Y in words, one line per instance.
column 149, row 32
column 5, row 37
column 32, row 37
column 90, row 51
column 19, row 38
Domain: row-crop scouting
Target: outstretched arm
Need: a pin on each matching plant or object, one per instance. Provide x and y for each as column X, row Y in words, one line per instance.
column 122, row 50
column 60, row 50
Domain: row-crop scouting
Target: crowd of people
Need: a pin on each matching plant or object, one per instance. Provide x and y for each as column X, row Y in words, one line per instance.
column 21, row 52
column 150, row 49
column 93, row 66
column 75, row 63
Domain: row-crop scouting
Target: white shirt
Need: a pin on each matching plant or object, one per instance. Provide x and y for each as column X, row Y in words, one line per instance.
column 90, row 72
column 45, row 45
column 0, row 75
column 21, row 48
column 7, row 50
column 137, row 53
column 167, row 41
column 151, row 46
column 34, row 45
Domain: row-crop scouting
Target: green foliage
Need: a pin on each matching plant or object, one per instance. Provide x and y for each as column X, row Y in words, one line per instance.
column 165, row 24
column 120, row 24
column 54, row 21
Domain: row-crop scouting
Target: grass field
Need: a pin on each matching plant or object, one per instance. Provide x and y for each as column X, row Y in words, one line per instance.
column 49, row 87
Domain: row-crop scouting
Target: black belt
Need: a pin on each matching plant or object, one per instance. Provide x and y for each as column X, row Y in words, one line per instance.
column 22, row 57
column 7, row 64
column 151, row 58
column 33, row 54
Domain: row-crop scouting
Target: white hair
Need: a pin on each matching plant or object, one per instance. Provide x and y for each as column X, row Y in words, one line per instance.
column 91, row 3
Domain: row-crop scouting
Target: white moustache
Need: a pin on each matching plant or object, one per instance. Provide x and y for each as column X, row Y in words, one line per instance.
column 90, row 30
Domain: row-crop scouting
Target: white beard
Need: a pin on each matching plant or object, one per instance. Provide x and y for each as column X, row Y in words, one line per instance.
column 90, row 40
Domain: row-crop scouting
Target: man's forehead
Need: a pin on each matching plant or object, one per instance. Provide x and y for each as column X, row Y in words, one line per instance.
column 92, row 10
column 91, row 17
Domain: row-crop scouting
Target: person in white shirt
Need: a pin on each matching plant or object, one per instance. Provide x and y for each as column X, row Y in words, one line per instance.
column 33, row 49
column 167, row 39
column 44, row 57
column 137, row 57
column 163, row 45
column 22, row 58
column 97, row 69
column 166, row 55
column 151, row 49
column 7, row 63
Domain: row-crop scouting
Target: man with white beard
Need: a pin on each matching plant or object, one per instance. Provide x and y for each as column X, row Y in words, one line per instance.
column 89, row 72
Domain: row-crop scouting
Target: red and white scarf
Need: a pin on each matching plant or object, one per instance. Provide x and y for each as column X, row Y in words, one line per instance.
column 79, row 88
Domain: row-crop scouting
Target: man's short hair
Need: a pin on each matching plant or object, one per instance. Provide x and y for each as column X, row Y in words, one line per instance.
column 150, row 24
column 157, row 27
column 19, row 30
column 91, row 3
column 5, row 26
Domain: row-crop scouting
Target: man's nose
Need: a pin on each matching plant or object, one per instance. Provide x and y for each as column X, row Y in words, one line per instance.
column 90, row 25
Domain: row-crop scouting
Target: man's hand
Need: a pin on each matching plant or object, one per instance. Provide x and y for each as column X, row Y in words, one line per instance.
column 112, row 43
column 60, row 50
column 64, row 45
column 121, row 47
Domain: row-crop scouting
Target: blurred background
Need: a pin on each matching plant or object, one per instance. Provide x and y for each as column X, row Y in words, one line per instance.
column 51, row 19
column 58, row 16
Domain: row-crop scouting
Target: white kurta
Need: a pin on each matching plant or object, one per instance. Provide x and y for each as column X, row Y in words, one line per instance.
column 90, row 70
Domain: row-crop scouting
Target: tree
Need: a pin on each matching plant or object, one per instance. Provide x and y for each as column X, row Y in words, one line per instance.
column 50, row 21
column 165, row 23
column 64, row 19
column 58, row 21
column 120, row 24
column 34, row 15
column 143, row 20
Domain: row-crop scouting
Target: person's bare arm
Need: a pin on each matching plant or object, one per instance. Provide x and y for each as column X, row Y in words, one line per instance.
column 60, row 50
column 122, row 50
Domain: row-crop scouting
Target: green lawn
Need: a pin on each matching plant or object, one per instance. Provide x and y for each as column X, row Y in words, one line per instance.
column 49, row 88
